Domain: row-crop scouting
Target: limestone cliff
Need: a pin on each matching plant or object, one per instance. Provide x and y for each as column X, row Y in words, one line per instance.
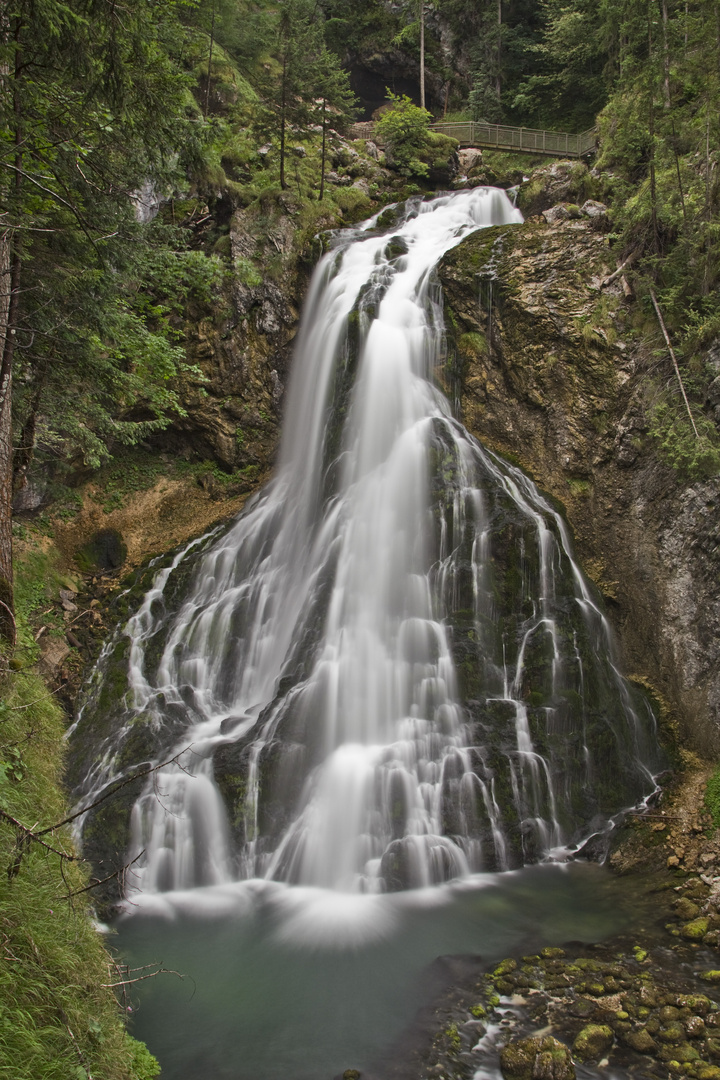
column 547, row 366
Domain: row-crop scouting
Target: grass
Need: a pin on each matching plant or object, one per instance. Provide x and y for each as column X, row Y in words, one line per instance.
column 57, row 1019
column 712, row 798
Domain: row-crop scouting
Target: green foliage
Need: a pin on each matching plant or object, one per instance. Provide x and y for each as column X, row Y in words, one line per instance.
column 712, row 798
column 57, row 1020
column 404, row 130
column 693, row 456
column 100, row 117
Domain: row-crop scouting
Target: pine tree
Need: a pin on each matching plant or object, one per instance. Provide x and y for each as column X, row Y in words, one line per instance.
column 90, row 109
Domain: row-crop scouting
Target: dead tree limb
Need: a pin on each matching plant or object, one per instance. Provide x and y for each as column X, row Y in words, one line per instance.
column 673, row 357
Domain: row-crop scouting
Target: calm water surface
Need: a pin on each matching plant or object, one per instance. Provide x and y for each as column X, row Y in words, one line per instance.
column 301, row 984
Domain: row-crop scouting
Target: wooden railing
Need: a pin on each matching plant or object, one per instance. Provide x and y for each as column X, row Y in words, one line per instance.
column 502, row 137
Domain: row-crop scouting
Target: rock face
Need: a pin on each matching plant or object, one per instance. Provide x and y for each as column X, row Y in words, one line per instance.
column 242, row 349
column 544, row 365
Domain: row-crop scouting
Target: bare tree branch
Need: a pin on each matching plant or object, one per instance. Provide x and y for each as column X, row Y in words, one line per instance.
column 658, row 312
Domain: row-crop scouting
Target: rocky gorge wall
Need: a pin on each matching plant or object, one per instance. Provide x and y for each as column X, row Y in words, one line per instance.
column 550, row 366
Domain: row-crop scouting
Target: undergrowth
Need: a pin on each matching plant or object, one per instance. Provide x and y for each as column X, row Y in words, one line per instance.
column 712, row 798
column 59, row 1018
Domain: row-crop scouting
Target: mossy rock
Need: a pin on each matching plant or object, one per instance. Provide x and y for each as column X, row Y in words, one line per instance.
column 641, row 1041
column 593, row 1042
column 708, row 1072
column 686, row 910
column 537, row 1058
column 712, row 976
column 104, row 553
column 694, row 930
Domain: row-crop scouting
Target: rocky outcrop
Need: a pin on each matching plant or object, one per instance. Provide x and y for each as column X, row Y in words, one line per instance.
column 546, row 366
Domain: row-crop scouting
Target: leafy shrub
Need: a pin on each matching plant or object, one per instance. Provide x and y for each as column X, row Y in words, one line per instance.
column 693, row 456
column 404, row 129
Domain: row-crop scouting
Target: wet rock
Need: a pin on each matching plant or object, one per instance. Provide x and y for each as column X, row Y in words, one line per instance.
column 583, row 1008
column 672, row 1034
column 593, row 1042
column 640, row 1040
column 695, row 1027
column 104, row 553
column 685, row 909
column 537, row 1058
column 695, row 930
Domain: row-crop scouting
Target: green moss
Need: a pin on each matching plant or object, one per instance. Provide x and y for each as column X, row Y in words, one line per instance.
column 592, row 1042
column 473, row 344
column 453, row 1037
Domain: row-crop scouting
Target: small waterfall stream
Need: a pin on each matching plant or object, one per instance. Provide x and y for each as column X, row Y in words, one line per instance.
column 390, row 671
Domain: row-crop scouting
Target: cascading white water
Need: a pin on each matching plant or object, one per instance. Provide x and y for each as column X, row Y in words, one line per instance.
column 317, row 641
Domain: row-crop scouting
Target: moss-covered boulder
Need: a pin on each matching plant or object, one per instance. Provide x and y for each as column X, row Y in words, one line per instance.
column 640, row 1040
column 695, row 930
column 593, row 1042
column 537, row 1058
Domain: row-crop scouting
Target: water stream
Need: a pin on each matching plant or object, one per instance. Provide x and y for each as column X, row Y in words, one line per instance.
column 389, row 673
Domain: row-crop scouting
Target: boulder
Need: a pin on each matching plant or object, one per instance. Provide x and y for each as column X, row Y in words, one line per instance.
column 593, row 1042
column 536, row 1058
column 469, row 159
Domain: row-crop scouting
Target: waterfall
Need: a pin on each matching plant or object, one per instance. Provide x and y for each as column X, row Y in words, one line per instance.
column 390, row 671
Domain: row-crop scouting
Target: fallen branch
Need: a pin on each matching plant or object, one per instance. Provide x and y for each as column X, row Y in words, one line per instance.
column 118, row 787
column 632, row 257
column 141, row 978
column 12, row 620
column 102, row 881
column 26, row 836
column 658, row 312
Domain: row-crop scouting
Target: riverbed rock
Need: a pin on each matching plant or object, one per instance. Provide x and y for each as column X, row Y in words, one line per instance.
column 640, row 1040
column 537, row 1058
column 593, row 1042
column 694, row 930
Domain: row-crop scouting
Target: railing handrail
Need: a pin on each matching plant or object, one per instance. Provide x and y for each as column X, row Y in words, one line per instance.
column 505, row 137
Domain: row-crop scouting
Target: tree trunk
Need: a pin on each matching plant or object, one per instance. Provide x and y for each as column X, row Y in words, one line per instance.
column 322, row 159
column 283, row 107
column 666, row 55
column 10, row 266
column 498, row 78
column 422, row 54
column 6, row 574
column 209, row 75
column 653, row 186
column 24, row 452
